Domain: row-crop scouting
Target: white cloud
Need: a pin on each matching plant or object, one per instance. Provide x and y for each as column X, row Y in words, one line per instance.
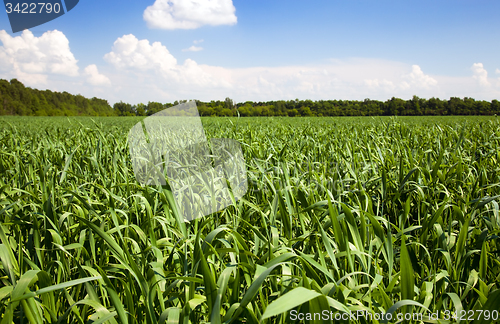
column 198, row 41
column 418, row 79
column 193, row 49
column 139, row 57
column 94, row 77
column 129, row 52
column 46, row 62
column 339, row 79
column 158, row 77
column 497, row 71
column 31, row 58
column 141, row 71
column 189, row 14
column 384, row 85
column 480, row 74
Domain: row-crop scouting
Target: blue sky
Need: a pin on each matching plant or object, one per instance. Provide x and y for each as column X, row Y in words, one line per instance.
column 160, row 50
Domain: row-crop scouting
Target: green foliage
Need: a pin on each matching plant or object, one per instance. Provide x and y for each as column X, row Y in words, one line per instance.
column 124, row 109
column 393, row 107
column 342, row 214
column 16, row 99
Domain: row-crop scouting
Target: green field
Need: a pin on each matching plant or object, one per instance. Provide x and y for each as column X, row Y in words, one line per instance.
column 375, row 214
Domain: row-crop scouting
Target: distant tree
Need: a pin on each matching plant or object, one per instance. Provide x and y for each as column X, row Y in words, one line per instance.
column 140, row 109
column 226, row 112
column 495, row 107
column 228, row 103
column 123, row 109
column 16, row 99
column 153, row 108
column 396, row 106
column 246, row 109
column 305, row 111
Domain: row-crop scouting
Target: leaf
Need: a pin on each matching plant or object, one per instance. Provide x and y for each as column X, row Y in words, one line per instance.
column 23, row 283
column 66, row 165
column 174, row 315
column 483, row 261
column 492, row 305
column 196, row 300
column 457, row 302
column 338, row 234
column 486, row 201
column 407, row 275
column 252, row 291
column 222, row 282
column 462, row 238
column 292, row 299
column 402, row 303
column 208, row 278
column 56, row 287
column 115, row 298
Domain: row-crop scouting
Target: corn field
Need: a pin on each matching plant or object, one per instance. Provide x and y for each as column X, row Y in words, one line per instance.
column 390, row 216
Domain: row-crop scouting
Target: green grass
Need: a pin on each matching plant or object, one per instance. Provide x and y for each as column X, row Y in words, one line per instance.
column 379, row 214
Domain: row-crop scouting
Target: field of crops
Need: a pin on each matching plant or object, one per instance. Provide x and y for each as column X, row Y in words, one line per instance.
column 381, row 215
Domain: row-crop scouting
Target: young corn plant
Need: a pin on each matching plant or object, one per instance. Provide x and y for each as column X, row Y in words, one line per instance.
column 344, row 215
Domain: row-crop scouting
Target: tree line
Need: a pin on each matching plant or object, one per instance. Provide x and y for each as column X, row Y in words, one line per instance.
column 16, row 99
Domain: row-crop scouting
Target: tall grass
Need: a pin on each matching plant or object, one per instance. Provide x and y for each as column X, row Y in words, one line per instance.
column 356, row 214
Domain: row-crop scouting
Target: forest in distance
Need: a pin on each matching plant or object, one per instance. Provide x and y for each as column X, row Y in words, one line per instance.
column 16, row 99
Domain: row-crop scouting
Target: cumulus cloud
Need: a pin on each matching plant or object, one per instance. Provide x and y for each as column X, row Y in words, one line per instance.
column 147, row 71
column 351, row 79
column 31, row 58
column 94, row 77
column 497, row 71
column 480, row 74
column 155, row 73
column 140, row 57
column 189, row 14
column 193, row 49
column 418, row 79
column 383, row 84
column 129, row 52
column 339, row 79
